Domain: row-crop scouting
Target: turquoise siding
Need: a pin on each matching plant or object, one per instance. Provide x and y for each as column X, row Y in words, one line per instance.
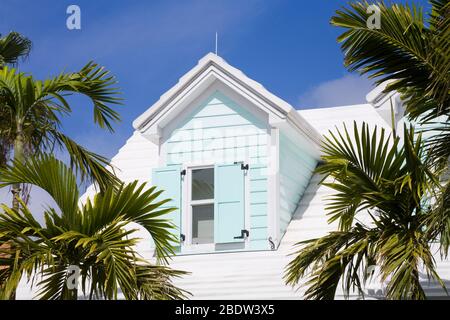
column 296, row 169
column 219, row 131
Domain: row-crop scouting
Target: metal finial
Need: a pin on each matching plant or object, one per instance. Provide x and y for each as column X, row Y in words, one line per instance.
column 216, row 42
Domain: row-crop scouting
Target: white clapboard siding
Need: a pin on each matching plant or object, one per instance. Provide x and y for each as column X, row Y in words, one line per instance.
column 134, row 161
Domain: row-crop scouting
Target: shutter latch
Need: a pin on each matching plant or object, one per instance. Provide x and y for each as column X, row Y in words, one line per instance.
column 183, row 172
column 244, row 234
column 182, row 237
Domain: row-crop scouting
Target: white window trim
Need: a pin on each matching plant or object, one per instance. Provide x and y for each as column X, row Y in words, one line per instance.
column 191, row 203
column 273, row 188
column 186, row 216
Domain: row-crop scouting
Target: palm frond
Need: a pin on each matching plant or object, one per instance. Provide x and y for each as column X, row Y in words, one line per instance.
column 402, row 50
column 49, row 174
column 154, row 283
column 32, row 110
column 92, row 81
column 137, row 205
column 13, row 46
column 90, row 166
column 437, row 222
column 358, row 165
column 327, row 260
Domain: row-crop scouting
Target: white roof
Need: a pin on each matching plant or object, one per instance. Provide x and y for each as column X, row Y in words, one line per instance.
column 325, row 119
column 213, row 68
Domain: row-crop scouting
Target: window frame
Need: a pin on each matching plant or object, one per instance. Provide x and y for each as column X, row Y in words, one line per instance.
column 189, row 203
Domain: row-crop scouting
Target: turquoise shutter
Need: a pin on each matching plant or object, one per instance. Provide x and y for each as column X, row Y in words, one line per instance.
column 169, row 180
column 229, row 210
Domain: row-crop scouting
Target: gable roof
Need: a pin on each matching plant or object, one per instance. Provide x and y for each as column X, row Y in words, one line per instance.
column 213, row 68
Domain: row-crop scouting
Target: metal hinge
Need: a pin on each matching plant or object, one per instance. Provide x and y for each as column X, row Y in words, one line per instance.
column 244, row 234
column 243, row 166
column 183, row 172
column 182, row 237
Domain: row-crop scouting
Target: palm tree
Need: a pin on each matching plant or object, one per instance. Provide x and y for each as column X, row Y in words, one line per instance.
column 12, row 47
column 412, row 52
column 390, row 181
column 396, row 184
column 94, row 236
column 30, row 117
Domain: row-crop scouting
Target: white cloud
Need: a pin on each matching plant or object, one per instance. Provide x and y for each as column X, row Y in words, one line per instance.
column 348, row 90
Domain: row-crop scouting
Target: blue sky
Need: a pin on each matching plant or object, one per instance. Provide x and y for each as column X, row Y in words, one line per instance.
column 288, row 46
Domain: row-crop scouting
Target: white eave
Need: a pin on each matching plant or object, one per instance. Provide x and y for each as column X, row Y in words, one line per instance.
column 213, row 68
column 378, row 96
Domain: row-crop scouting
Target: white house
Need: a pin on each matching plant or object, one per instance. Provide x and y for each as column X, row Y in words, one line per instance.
column 238, row 162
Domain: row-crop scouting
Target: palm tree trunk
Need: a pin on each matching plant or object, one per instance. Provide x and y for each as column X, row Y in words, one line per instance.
column 19, row 156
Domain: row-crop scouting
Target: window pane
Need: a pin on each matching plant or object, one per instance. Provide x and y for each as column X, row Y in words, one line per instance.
column 203, row 184
column 203, row 224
